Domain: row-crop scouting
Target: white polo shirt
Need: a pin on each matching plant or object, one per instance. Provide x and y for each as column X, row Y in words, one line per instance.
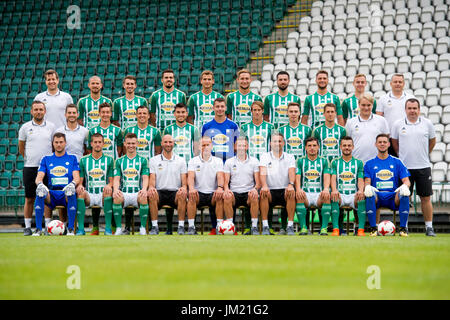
column 413, row 141
column 56, row 106
column 75, row 139
column 38, row 141
column 168, row 171
column 277, row 169
column 242, row 177
column 393, row 108
column 364, row 133
column 205, row 173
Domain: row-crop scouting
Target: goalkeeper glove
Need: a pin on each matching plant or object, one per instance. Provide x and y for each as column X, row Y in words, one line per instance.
column 41, row 190
column 404, row 190
column 369, row 191
column 69, row 190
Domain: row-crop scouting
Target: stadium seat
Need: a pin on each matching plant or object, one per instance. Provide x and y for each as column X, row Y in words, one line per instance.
column 377, row 50
column 443, row 63
column 442, row 45
column 434, row 113
column 378, row 82
column 417, row 63
column 403, row 63
column 327, row 38
column 418, row 80
column 390, row 65
column 446, row 135
column 428, row 30
column 432, row 79
column 439, row 171
column 377, row 66
column 444, row 79
column 415, row 31
column 439, row 129
column 444, row 97
column 316, row 39
column 315, row 54
column 339, row 37
column 437, row 154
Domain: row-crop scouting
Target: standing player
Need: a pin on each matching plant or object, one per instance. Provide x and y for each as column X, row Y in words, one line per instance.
column 222, row 131
column 257, row 131
column 167, row 185
column 35, row 138
column 130, row 184
column 112, row 135
column 88, row 106
column 206, row 185
column 364, row 128
column 186, row 136
column 239, row 102
column 55, row 100
column 200, row 104
column 294, row 132
column 124, row 108
column 350, row 106
column 329, row 134
column 163, row 101
column 276, row 104
column 242, row 184
column 347, row 186
column 63, row 174
column 414, row 138
column 312, row 185
column 96, row 170
column 315, row 103
column 381, row 179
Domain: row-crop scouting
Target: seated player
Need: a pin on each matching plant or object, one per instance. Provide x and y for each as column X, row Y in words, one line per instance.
column 130, row 184
column 242, row 175
column 96, row 169
column 312, row 185
column 167, row 185
column 381, row 176
column 347, row 186
column 63, row 174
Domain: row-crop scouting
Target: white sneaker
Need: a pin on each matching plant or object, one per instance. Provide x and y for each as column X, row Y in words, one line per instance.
column 37, row 233
column 70, row 232
column 118, row 232
column 142, row 231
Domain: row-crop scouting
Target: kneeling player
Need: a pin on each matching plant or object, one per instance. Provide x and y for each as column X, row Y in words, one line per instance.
column 381, row 175
column 97, row 170
column 63, row 175
column 242, row 175
column 312, row 185
column 347, row 186
column 130, row 184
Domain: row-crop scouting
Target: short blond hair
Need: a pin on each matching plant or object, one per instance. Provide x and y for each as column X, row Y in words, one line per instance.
column 257, row 103
column 366, row 96
column 359, row 75
column 206, row 72
column 243, row 71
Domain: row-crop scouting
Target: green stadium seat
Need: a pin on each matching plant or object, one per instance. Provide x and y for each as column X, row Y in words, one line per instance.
column 4, row 145
column 132, row 66
column 241, row 60
column 177, row 50
column 16, row 180
column 228, row 76
column 219, row 62
column 5, row 178
column 121, row 68
column 210, row 49
column 208, row 63
column 3, row 130
column 16, row 118
column 198, row 49
column 10, row 162
column 179, row 35
column 7, row 114
column 197, row 63
column 191, row 21
column 188, row 50
column 223, row 20
column 19, row 163
column 232, row 46
column 166, row 51
column 230, row 61
column 13, row 147
column 2, row 162
column 156, row 52
column 190, row 35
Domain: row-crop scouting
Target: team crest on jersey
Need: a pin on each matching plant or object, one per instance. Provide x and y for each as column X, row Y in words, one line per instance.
column 403, row 131
column 346, row 176
column 142, row 143
column 206, row 108
column 130, row 173
column 384, row 174
column 320, row 107
column 220, row 139
column 94, row 115
column 294, row 141
column 312, row 174
column 168, row 106
column 130, row 114
column 243, row 108
column 281, row 109
column 197, row 168
column 181, row 141
column 160, row 167
column 59, row 171
column 96, row 173
column 234, row 167
column 330, row 142
column 257, row 140
column 107, row 143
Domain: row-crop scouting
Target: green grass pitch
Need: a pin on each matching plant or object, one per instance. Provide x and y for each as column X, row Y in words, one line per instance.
column 225, row 267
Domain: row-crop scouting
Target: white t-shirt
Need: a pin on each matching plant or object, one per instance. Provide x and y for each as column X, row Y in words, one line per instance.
column 56, row 106
column 38, row 141
column 75, row 140
column 168, row 171
column 393, row 108
column 364, row 133
column 205, row 173
column 277, row 169
column 413, row 141
column 242, row 177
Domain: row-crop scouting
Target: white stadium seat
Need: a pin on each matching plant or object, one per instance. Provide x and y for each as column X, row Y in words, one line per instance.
column 442, row 45
column 316, row 24
column 352, row 51
column 402, row 48
column 430, row 62
column 432, row 79
column 302, row 70
column 377, row 95
column 402, row 32
column 443, row 62
column 352, row 67
column 327, row 38
column 398, row 5
column 438, row 152
column 265, row 91
column 352, row 36
column 442, row 29
column 255, row 84
column 328, row 66
column 349, row 88
column 389, row 48
column 378, row 82
column 437, row 187
column 352, row 6
column 388, row 17
column 291, row 68
column 389, row 32
column 439, row 129
column 314, row 55
column 364, row 35
column 390, row 65
column 352, row 20
column 303, row 39
column 316, row 8
column 339, row 21
column 445, row 97
column 417, row 63
column 363, row 6
column 433, row 97
column 440, row 12
column 408, row 77
column 267, row 84
column 401, row 16
column 421, row 94
column 339, row 37
column 424, row 111
column 339, row 52
column 278, row 67
column 327, row 53
column 434, row 114
column 388, row 5
column 339, row 68
column 267, row 71
column 339, row 8
column 339, row 84
column 377, row 50
column 412, row 3
column 415, row 31
column 446, row 137
column 292, row 39
column 427, row 14
column 278, row 58
column 291, row 55
column 313, row 68
column 328, row 22
column 365, row 66
column 428, row 30
column 403, row 63
column 302, row 86
column 444, row 80
column 304, row 23
column 415, row 48
column 414, row 15
column 316, row 38
column 377, row 66
column 303, row 55
column 377, row 34
column 425, row 3
column 328, row 7
column 364, row 20
column 439, row 172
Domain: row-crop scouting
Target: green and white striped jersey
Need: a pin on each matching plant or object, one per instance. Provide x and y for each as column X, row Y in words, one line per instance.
column 258, row 137
column 184, row 138
column 130, row 172
column 350, row 108
column 88, row 110
column 314, row 105
column 113, row 138
column 96, row 172
column 329, row 140
column 148, row 138
column 239, row 106
column 276, row 107
column 200, row 106
column 347, row 174
column 125, row 110
column 294, row 139
column 162, row 104
column 312, row 173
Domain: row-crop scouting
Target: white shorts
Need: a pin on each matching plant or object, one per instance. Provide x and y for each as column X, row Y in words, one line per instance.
column 348, row 200
column 313, row 198
column 130, row 200
column 95, row 200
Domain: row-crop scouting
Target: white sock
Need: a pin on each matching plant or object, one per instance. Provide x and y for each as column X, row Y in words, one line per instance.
column 219, row 221
column 47, row 221
column 429, row 224
column 181, row 223
column 254, row 222
column 191, row 222
column 27, row 222
column 265, row 223
column 154, row 223
column 290, row 223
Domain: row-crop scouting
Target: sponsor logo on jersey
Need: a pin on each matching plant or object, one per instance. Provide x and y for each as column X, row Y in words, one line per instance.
column 234, row 167
column 384, row 174
column 160, row 167
column 257, row 140
column 94, row 115
column 294, row 141
column 142, row 143
column 282, row 110
column 130, row 173
column 197, row 168
column 206, row 108
column 107, row 143
column 130, row 114
column 96, row 173
column 220, row 139
column 346, row 176
column 403, row 130
column 168, row 106
column 330, row 142
column 312, row 174
column 59, row 171
column 181, row 141
column 243, row 108
column 319, row 107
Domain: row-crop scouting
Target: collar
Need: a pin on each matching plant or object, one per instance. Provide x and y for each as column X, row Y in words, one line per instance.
column 44, row 123
column 273, row 157
column 52, row 95
column 407, row 122
column 245, row 161
column 163, row 158
column 362, row 120
column 391, row 95
column 202, row 160
column 67, row 128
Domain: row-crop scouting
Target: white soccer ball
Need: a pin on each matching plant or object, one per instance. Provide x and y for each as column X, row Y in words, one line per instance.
column 386, row 228
column 55, row 228
column 226, row 227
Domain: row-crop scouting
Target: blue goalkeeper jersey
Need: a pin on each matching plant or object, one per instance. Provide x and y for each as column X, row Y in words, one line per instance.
column 385, row 175
column 59, row 170
column 223, row 136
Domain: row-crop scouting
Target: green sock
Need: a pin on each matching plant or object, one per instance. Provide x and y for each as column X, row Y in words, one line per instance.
column 335, row 214
column 247, row 219
column 117, row 211
column 169, row 217
column 143, row 214
column 270, row 217
column 326, row 210
column 284, row 218
column 107, row 208
column 95, row 217
column 81, row 211
column 300, row 209
column 361, row 214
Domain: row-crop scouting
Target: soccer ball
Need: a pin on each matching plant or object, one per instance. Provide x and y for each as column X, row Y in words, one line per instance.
column 386, row 228
column 55, row 228
column 226, row 227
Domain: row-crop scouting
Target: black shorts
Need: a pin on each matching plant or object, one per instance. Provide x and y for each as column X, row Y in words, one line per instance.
column 422, row 179
column 204, row 199
column 277, row 197
column 167, row 198
column 29, row 178
column 240, row 199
